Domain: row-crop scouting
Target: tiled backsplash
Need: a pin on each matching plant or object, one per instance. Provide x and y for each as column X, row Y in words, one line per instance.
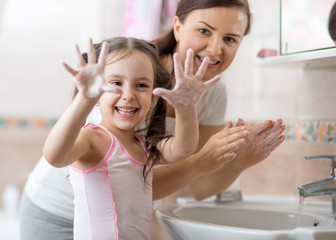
column 305, row 131
column 26, row 123
column 312, row 131
column 308, row 131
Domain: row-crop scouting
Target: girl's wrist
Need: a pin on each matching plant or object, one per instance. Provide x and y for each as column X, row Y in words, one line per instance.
column 185, row 110
column 84, row 102
column 83, row 97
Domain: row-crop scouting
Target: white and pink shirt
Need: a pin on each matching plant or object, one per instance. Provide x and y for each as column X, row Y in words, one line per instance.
column 112, row 200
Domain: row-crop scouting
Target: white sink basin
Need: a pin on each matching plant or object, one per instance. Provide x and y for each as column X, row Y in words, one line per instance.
column 248, row 220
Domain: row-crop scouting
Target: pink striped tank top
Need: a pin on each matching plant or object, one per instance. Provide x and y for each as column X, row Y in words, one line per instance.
column 112, row 201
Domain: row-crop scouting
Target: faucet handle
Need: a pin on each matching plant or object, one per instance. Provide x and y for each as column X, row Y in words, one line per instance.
column 332, row 159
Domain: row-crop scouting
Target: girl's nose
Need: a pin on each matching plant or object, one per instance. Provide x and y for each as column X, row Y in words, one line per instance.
column 215, row 45
column 128, row 94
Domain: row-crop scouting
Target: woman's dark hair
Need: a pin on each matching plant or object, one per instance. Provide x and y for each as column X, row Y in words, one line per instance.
column 167, row 43
column 155, row 122
column 332, row 22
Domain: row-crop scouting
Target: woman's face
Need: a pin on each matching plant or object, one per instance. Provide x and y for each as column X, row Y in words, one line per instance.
column 213, row 32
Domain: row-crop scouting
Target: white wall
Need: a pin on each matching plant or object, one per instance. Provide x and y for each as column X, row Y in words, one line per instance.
column 34, row 36
column 289, row 92
column 243, row 78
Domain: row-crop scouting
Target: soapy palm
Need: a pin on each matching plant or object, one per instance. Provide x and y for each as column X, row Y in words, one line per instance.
column 261, row 141
column 188, row 86
column 89, row 78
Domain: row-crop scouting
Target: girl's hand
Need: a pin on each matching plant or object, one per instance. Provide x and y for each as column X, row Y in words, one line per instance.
column 188, row 87
column 220, row 149
column 261, row 141
column 89, row 78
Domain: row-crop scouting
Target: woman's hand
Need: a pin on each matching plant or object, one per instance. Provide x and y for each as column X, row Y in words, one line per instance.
column 89, row 78
column 220, row 149
column 261, row 141
column 188, row 86
column 217, row 151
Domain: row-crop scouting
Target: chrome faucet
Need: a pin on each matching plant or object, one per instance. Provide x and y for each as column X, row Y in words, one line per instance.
column 325, row 187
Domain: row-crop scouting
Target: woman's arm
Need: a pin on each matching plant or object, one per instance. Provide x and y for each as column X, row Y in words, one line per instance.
column 261, row 141
column 218, row 171
column 183, row 98
column 218, row 151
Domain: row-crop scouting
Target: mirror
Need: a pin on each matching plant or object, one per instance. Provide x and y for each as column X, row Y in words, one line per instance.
column 305, row 25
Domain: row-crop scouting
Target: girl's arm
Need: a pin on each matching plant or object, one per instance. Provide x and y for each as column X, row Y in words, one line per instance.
column 67, row 142
column 183, row 98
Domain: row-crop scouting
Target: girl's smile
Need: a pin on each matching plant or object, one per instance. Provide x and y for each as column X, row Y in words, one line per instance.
column 126, row 112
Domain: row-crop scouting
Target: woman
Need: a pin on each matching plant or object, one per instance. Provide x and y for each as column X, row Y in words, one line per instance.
column 213, row 28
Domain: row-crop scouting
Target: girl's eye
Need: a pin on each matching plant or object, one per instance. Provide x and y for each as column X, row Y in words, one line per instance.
column 204, row 31
column 142, row 85
column 115, row 83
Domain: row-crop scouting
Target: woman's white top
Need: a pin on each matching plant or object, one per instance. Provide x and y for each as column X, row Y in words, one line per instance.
column 112, row 200
column 49, row 188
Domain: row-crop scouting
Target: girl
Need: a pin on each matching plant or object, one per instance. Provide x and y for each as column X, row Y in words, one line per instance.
column 110, row 161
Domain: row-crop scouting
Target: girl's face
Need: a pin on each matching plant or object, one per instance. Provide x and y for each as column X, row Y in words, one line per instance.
column 213, row 32
column 134, row 75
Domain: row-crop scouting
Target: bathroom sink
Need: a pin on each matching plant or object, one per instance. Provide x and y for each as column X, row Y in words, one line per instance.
column 248, row 220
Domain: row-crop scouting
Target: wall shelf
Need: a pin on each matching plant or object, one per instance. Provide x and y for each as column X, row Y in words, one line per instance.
column 311, row 59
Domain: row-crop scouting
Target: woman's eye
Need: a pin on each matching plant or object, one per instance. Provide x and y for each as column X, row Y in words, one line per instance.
column 204, row 31
column 230, row 40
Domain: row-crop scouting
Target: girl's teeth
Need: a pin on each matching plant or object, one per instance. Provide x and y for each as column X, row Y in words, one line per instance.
column 126, row 111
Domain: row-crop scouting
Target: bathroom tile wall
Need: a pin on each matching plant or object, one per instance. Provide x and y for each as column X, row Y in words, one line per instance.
column 303, row 96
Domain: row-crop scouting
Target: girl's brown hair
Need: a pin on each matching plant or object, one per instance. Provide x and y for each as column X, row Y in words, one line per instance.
column 167, row 43
column 155, row 122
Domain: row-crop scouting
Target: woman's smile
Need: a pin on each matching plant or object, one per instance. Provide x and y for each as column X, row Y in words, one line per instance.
column 213, row 62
